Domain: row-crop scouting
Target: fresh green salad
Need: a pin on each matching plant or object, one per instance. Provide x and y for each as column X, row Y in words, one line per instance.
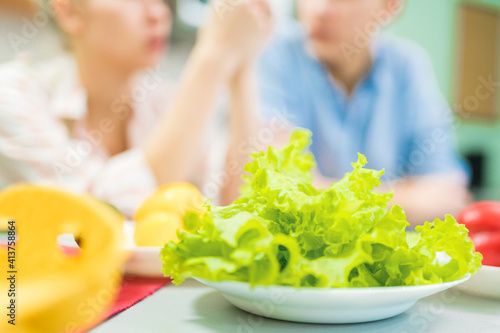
column 283, row 231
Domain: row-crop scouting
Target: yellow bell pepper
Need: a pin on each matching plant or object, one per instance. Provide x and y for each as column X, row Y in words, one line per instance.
column 161, row 215
column 54, row 291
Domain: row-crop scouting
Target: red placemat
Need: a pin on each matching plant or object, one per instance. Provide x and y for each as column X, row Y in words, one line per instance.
column 133, row 290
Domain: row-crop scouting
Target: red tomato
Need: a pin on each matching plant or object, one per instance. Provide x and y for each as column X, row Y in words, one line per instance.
column 481, row 216
column 488, row 244
column 483, row 221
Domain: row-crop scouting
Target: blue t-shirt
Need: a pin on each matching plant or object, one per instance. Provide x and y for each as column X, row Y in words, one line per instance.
column 396, row 116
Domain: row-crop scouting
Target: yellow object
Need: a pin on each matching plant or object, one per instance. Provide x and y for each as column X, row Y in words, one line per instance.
column 156, row 229
column 54, row 291
column 4, row 224
column 160, row 216
column 177, row 198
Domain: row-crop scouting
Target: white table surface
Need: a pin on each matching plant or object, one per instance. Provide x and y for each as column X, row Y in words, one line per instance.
column 194, row 308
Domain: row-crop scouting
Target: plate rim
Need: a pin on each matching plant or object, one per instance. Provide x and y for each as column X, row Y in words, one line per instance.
column 360, row 290
column 493, row 268
column 475, row 288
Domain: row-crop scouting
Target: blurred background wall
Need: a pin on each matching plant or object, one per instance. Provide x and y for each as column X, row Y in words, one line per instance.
column 435, row 25
column 24, row 28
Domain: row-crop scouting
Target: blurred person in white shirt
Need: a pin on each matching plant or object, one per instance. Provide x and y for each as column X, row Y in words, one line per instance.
column 95, row 121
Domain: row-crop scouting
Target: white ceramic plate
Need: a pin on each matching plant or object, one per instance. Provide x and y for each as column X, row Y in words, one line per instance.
column 486, row 283
column 143, row 261
column 326, row 306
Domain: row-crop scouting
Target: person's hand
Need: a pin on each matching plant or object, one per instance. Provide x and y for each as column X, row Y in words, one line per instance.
column 237, row 31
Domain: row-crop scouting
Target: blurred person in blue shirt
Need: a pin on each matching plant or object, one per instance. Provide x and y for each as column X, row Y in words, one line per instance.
column 360, row 90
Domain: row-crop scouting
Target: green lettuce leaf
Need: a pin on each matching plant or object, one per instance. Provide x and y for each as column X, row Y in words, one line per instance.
column 283, row 231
